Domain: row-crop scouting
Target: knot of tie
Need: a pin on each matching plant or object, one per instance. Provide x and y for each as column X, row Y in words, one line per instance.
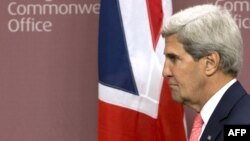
column 196, row 129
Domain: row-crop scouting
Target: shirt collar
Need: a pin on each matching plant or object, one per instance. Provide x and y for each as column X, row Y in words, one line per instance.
column 210, row 105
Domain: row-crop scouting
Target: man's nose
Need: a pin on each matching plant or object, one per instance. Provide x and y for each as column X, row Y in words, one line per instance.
column 166, row 69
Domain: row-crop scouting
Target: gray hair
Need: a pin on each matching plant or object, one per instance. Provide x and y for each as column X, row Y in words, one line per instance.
column 206, row 28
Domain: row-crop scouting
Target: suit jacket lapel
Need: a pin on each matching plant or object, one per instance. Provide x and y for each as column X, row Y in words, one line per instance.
column 227, row 102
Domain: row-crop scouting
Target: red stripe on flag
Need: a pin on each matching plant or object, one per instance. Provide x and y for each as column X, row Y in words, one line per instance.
column 170, row 119
column 155, row 19
column 121, row 124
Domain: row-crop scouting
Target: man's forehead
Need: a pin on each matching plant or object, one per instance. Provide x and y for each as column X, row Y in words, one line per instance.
column 173, row 47
column 172, row 38
column 172, row 43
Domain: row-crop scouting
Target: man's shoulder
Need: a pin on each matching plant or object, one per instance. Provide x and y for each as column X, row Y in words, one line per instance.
column 245, row 102
column 241, row 111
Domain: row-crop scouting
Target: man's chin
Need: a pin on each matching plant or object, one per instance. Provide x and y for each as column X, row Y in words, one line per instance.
column 176, row 97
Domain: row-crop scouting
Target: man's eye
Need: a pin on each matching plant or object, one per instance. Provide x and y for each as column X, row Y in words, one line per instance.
column 173, row 58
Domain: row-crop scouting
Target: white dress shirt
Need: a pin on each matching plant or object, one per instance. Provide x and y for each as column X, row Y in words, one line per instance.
column 210, row 105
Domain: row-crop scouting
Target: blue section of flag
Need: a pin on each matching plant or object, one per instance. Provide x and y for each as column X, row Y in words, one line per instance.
column 114, row 65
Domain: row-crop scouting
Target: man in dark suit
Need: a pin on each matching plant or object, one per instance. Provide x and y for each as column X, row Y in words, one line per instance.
column 203, row 58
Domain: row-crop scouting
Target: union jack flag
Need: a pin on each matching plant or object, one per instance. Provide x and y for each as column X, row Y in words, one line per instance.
column 134, row 102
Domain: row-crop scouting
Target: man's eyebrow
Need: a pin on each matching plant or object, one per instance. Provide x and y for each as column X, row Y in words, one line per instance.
column 171, row 55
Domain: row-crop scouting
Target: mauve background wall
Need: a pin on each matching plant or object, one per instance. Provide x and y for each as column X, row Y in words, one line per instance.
column 48, row 80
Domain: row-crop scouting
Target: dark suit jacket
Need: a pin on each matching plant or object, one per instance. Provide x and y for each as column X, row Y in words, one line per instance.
column 233, row 108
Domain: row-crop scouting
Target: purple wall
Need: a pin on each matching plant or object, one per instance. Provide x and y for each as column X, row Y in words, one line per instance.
column 48, row 74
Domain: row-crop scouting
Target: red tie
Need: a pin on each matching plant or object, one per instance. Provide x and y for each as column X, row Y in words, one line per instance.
column 196, row 130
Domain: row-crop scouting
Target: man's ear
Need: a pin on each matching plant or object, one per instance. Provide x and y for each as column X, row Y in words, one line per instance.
column 212, row 63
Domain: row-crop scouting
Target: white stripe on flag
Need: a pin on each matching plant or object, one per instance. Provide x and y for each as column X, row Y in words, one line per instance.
column 140, row 46
column 117, row 97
